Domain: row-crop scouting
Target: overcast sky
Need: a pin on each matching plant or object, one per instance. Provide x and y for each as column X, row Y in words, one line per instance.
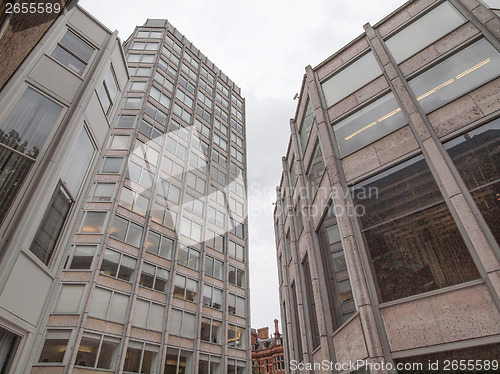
column 264, row 47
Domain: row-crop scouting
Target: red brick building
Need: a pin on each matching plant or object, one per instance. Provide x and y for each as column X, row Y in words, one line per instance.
column 267, row 352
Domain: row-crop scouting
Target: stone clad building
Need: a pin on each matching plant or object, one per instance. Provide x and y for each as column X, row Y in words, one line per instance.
column 387, row 214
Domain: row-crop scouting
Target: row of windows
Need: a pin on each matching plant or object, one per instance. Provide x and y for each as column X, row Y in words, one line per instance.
column 100, row 351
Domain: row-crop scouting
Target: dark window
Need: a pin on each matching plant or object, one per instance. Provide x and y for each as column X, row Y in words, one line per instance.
column 73, row 52
column 311, row 307
column 51, row 225
column 413, row 242
column 477, row 158
column 9, row 342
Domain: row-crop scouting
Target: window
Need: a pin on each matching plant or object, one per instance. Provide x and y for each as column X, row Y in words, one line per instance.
column 220, row 141
column 149, row 34
column 139, row 72
column 25, row 130
column 219, row 196
column 141, row 357
column 310, row 304
column 188, row 257
column 167, row 68
column 305, row 128
column 211, row 330
column 288, row 247
column 54, row 347
column 339, row 287
column 148, row 46
column 69, row 300
column 204, row 99
column 206, row 74
column 235, row 337
column 191, row 229
column 182, row 323
column 236, row 276
column 92, row 222
column 369, row 124
column 108, row 304
column 215, row 241
column 148, row 315
column 160, row 97
column 176, row 148
column 315, row 172
column 214, row 267
column 297, row 219
column 477, row 162
column 163, row 81
column 189, row 72
column 159, row 245
column 238, row 127
column 237, row 155
column 97, row 351
column 154, row 277
column 108, row 90
column 179, row 130
column 202, row 128
column 183, row 97
column 198, row 162
column 140, row 175
column 102, row 191
column 209, row 364
column 236, row 250
column 143, row 58
column 196, row 182
column 431, row 27
column 413, row 242
column 236, row 170
column 204, row 113
column 236, row 305
column 163, row 215
column 174, row 169
column 359, row 73
column 221, row 100
column 156, row 113
column 185, row 288
column 119, row 142
column 191, row 60
column 222, row 114
column 193, row 204
column 216, row 217
column 462, row 72
column 81, row 257
column 206, row 87
column 237, row 228
column 138, row 86
column 112, row 165
column 237, row 101
column 9, row 342
column 126, row 231
column 118, row 265
column 73, row 52
column 168, row 54
column 173, row 44
column 52, row 223
column 126, row 122
column 212, row 297
column 169, row 191
column 145, row 151
column 218, row 175
column 223, row 89
column 133, row 201
column 236, row 139
column 150, row 132
column 296, row 331
column 186, row 84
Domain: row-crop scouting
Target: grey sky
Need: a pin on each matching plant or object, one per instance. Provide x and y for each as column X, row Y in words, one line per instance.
column 263, row 46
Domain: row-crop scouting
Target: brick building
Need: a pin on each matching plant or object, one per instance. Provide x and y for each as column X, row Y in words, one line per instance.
column 267, row 352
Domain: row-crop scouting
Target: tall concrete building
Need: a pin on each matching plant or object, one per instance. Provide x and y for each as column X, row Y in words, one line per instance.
column 387, row 215
column 137, row 263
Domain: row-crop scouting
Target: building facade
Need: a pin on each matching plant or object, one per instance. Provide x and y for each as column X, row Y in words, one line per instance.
column 267, row 352
column 386, row 221
column 147, row 268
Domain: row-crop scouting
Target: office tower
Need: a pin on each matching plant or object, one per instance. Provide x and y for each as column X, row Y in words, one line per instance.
column 150, row 269
column 387, row 215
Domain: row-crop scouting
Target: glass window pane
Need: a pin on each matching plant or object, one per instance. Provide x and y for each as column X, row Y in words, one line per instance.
column 350, row 79
column 55, row 346
column 369, row 124
column 118, row 307
column 69, row 298
column 429, row 28
column 99, row 303
column 77, row 46
column 462, row 72
column 82, row 257
column 175, row 322
column 108, row 353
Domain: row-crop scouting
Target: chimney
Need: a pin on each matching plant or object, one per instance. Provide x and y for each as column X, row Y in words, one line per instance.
column 276, row 328
column 263, row 333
